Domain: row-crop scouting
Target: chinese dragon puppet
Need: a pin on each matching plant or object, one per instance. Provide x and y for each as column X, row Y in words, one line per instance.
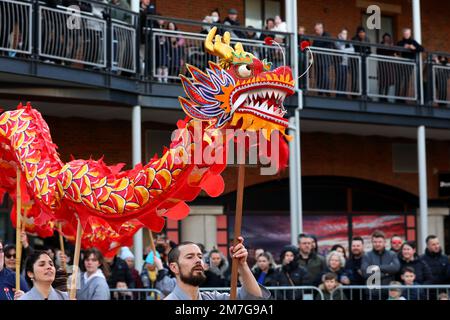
column 239, row 92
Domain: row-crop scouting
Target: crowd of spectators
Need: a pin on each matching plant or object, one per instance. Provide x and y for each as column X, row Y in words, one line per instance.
column 104, row 278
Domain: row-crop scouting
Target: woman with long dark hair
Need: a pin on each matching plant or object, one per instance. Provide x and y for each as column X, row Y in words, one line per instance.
column 40, row 273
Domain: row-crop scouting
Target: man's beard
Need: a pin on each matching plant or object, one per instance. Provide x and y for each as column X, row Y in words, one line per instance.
column 193, row 280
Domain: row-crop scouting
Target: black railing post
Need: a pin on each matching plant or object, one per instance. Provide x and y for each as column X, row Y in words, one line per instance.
column 364, row 75
column 418, row 77
column 35, row 16
column 429, row 93
column 109, row 41
column 137, row 45
column 148, row 49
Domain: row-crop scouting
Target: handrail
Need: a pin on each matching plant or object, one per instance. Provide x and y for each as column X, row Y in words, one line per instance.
column 218, row 25
column 357, row 43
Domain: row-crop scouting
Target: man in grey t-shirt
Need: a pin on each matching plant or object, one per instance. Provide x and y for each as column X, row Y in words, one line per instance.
column 186, row 262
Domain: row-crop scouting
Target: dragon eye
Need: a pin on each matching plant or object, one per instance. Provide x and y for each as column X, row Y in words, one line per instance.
column 244, row 71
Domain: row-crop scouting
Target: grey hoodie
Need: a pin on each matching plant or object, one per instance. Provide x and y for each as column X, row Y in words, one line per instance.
column 93, row 288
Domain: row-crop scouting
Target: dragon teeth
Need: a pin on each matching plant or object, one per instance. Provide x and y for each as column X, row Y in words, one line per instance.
column 264, row 105
column 239, row 101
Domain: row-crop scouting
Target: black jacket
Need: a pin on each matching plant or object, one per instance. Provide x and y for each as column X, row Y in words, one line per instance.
column 353, row 271
column 270, row 279
column 237, row 33
column 421, row 269
column 120, row 272
column 439, row 265
column 322, row 43
column 291, row 275
column 387, row 50
column 412, row 54
column 360, row 48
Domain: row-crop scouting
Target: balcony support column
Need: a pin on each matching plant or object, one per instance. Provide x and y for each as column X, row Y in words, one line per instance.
column 137, row 158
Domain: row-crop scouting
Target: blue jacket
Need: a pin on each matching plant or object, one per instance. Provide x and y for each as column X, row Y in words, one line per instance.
column 8, row 283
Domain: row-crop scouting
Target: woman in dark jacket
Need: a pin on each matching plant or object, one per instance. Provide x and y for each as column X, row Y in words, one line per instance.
column 290, row 274
column 409, row 258
column 265, row 272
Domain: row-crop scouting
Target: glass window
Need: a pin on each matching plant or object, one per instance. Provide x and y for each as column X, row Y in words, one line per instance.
column 253, row 11
column 257, row 11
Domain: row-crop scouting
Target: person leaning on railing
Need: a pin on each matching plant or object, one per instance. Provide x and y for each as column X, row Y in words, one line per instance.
column 386, row 78
column 361, row 36
column 323, row 61
column 176, row 51
column 232, row 20
column 121, row 15
column 363, row 50
column 403, row 84
column 342, row 69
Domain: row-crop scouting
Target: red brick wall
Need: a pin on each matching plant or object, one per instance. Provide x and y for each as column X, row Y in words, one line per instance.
column 198, row 9
column 334, row 14
column 358, row 157
column 83, row 138
column 322, row 154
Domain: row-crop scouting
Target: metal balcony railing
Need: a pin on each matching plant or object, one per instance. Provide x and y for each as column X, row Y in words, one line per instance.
column 334, row 72
column 104, row 38
column 438, row 78
column 166, row 51
column 15, row 27
column 66, row 35
column 391, row 78
column 352, row 68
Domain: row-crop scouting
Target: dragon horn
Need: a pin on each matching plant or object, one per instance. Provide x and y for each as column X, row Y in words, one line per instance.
column 220, row 47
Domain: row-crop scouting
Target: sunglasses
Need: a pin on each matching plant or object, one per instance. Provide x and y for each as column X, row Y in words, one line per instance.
column 9, row 256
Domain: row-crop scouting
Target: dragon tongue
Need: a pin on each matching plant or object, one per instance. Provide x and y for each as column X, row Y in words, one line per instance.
column 239, row 101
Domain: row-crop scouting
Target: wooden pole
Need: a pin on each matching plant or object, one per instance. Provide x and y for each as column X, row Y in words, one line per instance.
column 61, row 246
column 152, row 243
column 18, row 230
column 237, row 229
column 76, row 260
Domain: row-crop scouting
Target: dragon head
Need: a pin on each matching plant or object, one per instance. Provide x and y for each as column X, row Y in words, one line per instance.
column 241, row 91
